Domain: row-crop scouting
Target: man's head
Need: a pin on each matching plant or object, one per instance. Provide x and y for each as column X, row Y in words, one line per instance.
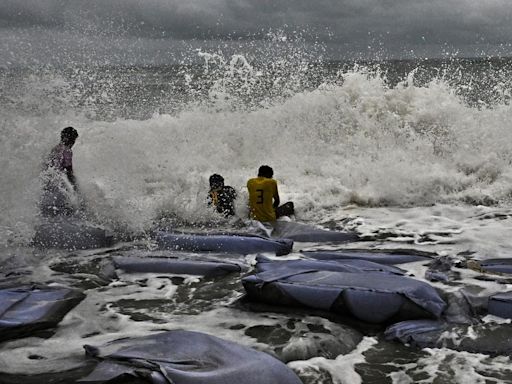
column 265, row 171
column 216, row 181
column 68, row 136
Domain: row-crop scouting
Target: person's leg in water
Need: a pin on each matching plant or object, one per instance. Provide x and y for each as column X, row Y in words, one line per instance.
column 286, row 209
column 55, row 201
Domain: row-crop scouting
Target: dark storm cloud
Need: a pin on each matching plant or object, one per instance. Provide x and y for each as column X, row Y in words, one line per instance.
column 352, row 24
column 191, row 18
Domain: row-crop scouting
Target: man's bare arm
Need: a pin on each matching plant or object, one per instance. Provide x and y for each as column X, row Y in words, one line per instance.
column 276, row 200
column 71, row 176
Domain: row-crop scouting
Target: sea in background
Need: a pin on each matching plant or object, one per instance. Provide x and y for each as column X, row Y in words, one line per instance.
column 410, row 154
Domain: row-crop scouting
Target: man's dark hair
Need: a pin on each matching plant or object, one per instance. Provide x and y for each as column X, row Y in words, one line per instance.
column 216, row 181
column 68, row 133
column 265, row 171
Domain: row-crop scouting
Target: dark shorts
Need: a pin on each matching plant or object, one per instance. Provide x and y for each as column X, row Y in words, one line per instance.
column 286, row 209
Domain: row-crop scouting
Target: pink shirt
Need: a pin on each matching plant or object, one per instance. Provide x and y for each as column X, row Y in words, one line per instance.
column 60, row 157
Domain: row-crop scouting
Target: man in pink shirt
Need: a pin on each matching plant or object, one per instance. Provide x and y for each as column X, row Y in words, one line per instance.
column 58, row 168
column 61, row 156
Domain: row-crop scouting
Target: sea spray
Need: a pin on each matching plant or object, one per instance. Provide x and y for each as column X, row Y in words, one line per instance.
column 335, row 135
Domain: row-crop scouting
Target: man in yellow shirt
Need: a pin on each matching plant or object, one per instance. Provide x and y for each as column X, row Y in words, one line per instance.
column 264, row 197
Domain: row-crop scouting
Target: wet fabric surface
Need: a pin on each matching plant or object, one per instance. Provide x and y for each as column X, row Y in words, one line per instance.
column 306, row 233
column 372, row 296
column 26, row 309
column 377, row 257
column 186, row 357
column 203, row 267
column 223, row 243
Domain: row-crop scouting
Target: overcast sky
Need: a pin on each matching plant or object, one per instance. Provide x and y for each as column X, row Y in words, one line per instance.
column 159, row 31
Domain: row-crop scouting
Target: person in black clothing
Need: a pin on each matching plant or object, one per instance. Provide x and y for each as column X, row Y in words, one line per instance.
column 221, row 196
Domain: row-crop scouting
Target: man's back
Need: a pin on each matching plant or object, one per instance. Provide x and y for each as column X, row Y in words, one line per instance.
column 262, row 192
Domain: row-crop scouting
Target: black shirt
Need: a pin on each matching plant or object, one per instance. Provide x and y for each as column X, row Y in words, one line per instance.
column 224, row 199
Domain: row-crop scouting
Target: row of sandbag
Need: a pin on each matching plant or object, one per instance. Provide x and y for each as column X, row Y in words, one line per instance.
column 69, row 233
column 170, row 357
column 28, row 308
column 340, row 282
column 350, row 283
column 177, row 356
column 73, row 234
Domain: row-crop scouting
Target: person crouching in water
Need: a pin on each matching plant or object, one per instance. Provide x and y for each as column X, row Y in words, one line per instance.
column 221, row 196
column 264, row 198
column 58, row 175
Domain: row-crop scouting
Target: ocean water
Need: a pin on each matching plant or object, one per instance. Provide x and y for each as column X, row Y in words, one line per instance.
column 410, row 154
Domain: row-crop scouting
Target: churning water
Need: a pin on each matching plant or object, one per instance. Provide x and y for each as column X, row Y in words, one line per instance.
column 409, row 154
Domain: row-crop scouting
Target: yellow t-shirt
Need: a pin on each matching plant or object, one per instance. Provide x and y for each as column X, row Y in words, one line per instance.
column 262, row 192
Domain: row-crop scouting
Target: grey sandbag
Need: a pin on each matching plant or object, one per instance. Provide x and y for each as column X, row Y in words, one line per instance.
column 441, row 269
column 372, row 297
column 174, row 265
column 490, row 339
column 227, row 243
column 500, row 305
column 184, row 357
column 25, row 309
column 67, row 233
column 376, row 257
column 420, row 333
column 497, row 265
column 306, row 233
column 342, row 265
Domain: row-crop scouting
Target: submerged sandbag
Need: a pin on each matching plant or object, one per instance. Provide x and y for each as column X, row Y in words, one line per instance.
column 372, row 297
column 376, row 257
column 174, row 265
column 496, row 265
column 184, row 357
column 500, row 305
column 441, row 269
column 26, row 309
column 420, row 333
column 342, row 265
column 66, row 233
column 463, row 306
column 306, row 233
column 224, row 243
column 304, row 338
column 490, row 339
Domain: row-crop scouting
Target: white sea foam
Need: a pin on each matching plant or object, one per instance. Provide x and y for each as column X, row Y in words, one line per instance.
column 342, row 369
column 353, row 141
column 456, row 367
column 409, row 166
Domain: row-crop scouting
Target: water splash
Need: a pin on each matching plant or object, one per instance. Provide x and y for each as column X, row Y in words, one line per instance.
column 335, row 134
